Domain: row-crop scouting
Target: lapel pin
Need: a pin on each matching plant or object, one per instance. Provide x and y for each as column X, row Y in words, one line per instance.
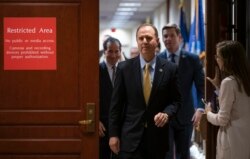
column 160, row 70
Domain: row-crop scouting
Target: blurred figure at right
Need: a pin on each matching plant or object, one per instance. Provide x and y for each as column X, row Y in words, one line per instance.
column 233, row 139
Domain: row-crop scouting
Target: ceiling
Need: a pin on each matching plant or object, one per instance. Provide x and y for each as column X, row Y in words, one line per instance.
column 126, row 14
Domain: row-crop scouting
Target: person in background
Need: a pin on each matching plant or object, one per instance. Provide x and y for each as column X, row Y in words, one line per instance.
column 121, row 58
column 107, row 69
column 134, row 52
column 234, row 102
column 190, row 71
column 101, row 52
column 158, row 49
column 145, row 98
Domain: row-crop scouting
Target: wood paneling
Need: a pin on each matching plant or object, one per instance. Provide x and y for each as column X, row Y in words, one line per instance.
column 40, row 110
column 39, row 156
column 40, row 132
column 40, row 146
column 53, row 89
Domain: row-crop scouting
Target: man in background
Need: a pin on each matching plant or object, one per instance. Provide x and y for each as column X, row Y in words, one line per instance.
column 101, row 52
column 112, row 52
column 189, row 71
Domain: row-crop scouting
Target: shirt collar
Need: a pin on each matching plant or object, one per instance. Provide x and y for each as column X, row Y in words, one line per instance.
column 109, row 65
column 143, row 62
column 177, row 53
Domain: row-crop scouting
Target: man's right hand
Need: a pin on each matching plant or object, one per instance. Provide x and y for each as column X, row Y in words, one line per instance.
column 101, row 129
column 114, row 144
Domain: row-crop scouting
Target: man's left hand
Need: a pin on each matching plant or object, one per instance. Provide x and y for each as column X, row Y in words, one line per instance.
column 161, row 119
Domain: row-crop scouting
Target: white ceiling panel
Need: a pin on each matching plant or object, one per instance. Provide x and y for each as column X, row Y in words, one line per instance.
column 141, row 10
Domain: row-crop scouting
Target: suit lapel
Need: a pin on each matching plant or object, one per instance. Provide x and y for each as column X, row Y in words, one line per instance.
column 159, row 73
column 182, row 60
column 165, row 54
column 138, row 75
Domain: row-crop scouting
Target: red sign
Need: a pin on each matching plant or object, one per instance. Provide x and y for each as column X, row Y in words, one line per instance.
column 29, row 43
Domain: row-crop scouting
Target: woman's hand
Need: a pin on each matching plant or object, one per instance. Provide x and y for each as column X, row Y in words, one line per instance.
column 208, row 107
column 216, row 80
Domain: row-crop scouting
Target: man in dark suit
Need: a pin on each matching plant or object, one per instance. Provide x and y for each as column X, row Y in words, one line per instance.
column 145, row 97
column 190, row 71
column 112, row 53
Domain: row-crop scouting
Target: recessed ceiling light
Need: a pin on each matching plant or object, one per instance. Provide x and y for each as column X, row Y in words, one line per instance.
column 124, row 13
column 130, row 4
column 126, row 9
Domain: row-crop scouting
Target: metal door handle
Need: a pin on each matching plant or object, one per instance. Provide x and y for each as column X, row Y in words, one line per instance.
column 89, row 122
column 85, row 122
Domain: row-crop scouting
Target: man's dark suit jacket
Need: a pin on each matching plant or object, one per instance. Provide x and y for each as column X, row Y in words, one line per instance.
column 105, row 94
column 190, row 70
column 129, row 112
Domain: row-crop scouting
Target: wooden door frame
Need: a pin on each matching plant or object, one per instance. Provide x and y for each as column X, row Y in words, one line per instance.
column 90, row 38
column 212, row 38
column 89, row 44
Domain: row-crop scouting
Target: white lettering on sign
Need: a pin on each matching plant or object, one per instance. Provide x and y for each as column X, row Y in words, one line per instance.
column 29, row 30
column 45, row 30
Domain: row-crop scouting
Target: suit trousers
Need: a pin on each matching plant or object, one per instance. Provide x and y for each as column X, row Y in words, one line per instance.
column 104, row 150
column 144, row 151
column 139, row 153
column 179, row 140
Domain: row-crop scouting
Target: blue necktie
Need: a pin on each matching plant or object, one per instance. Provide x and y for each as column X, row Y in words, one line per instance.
column 172, row 58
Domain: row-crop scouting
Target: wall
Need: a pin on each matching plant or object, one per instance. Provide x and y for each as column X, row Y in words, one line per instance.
column 124, row 35
column 159, row 20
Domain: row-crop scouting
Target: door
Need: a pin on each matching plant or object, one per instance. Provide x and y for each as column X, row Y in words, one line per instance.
column 40, row 110
column 218, row 29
